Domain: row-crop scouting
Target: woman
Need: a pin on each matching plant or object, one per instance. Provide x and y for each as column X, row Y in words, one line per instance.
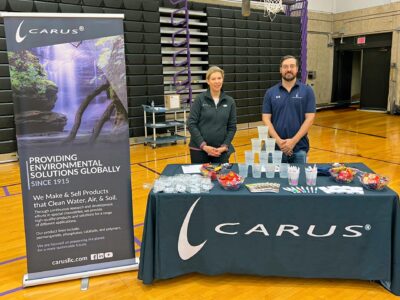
column 212, row 122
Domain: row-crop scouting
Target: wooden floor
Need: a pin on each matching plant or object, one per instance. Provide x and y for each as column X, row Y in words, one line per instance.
column 344, row 135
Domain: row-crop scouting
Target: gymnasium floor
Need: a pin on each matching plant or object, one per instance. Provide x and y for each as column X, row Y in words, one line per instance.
column 341, row 135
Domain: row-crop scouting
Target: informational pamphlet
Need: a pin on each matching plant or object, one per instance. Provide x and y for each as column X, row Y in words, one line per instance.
column 263, row 187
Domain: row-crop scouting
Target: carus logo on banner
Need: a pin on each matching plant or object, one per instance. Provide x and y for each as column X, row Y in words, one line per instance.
column 22, row 32
column 187, row 251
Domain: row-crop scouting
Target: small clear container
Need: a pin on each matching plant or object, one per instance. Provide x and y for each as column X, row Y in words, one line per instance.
column 195, row 189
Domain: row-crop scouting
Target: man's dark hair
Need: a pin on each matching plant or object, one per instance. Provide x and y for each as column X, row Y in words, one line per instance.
column 287, row 57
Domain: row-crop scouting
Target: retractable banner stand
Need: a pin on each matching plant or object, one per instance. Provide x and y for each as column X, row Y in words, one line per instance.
column 70, row 103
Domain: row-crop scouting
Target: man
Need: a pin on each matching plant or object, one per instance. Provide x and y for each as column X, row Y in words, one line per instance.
column 289, row 112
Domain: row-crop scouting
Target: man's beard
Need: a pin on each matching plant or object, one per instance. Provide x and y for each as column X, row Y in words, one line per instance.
column 289, row 79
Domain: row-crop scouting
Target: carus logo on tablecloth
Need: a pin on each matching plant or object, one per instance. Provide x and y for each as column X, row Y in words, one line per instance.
column 185, row 249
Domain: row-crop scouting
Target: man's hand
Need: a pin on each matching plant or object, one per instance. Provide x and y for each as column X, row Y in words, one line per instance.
column 280, row 143
column 287, row 146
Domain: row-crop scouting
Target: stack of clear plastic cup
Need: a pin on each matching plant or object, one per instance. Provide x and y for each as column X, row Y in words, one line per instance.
column 293, row 175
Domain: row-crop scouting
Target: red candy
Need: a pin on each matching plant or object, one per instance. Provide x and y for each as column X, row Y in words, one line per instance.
column 230, row 180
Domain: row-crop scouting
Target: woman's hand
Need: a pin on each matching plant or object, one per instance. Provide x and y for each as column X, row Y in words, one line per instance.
column 222, row 149
column 211, row 151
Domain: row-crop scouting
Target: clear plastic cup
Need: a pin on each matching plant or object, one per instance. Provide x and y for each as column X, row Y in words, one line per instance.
column 195, row 189
column 170, row 189
column 270, row 170
column 158, row 187
column 283, row 170
column 270, row 144
column 249, row 157
column 263, row 158
column 243, row 170
column 256, row 145
column 277, row 157
column 206, row 184
column 180, row 187
column 262, row 132
column 256, row 170
column 293, row 177
column 311, row 177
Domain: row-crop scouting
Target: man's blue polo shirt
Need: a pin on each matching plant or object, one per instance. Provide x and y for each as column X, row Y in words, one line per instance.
column 288, row 110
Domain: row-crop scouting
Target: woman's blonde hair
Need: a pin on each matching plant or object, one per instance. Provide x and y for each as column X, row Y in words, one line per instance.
column 213, row 70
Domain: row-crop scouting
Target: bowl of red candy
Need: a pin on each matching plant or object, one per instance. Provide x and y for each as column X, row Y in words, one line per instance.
column 373, row 182
column 230, row 181
column 342, row 174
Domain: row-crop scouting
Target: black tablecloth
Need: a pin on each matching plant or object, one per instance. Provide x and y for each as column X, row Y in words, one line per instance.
column 284, row 234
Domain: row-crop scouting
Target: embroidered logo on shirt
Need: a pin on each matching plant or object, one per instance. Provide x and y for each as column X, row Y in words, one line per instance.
column 225, row 105
column 297, row 96
column 277, row 97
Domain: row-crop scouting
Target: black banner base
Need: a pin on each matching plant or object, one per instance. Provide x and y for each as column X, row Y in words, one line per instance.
column 26, row 282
